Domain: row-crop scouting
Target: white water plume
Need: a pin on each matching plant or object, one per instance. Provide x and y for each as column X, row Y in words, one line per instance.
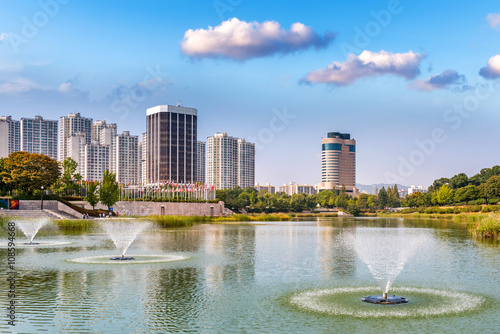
column 31, row 227
column 123, row 233
column 386, row 251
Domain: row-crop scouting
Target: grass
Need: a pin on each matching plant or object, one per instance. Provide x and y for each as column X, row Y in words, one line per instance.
column 180, row 221
column 75, row 224
column 487, row 227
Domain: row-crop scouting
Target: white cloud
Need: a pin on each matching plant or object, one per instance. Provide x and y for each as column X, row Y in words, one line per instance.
column 66, row 87
column 18, row 85
column 367, row 64
column 493, row 19
column 492, row 69
column 3, row 36
column 438, row 81
column 240, row 40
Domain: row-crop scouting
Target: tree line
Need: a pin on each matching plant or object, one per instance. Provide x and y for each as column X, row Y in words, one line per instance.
column 482, row 188
column 25, row 175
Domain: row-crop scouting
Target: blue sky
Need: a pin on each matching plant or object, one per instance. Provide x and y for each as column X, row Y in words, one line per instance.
column 408, row 78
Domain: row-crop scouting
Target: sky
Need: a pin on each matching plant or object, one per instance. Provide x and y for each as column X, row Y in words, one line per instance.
column 414, row 82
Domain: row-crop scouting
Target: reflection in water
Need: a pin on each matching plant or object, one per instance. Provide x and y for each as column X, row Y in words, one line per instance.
column 173, row 298
column 337, row 257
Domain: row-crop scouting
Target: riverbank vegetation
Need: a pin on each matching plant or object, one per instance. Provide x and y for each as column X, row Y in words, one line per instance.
column 487, row 227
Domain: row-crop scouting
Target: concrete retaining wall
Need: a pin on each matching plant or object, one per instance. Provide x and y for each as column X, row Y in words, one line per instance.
column 35, row 205
column 168, row 208
column 66, row 209
column 135, row 208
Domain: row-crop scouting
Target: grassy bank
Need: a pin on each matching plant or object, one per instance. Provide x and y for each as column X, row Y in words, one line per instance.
column 179, row 221
column 486, row 227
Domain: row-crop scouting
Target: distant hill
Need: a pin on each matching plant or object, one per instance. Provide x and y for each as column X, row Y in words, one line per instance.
column 370, row 189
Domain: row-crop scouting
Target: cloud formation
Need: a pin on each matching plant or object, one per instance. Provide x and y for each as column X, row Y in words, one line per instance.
column 492, row 69
column 439, row 81
column 493, row 19
column 367, row 64
column 18, row 85
column 3, row 36
column 240, row 40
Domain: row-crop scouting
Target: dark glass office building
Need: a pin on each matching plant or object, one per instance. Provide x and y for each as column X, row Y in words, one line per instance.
column 171, row 144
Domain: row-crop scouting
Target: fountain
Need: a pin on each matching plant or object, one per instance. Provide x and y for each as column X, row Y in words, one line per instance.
column 386, row 252
column 30, row 228
column 123, row 233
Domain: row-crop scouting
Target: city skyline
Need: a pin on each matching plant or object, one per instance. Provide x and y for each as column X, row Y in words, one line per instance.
column 415, row 96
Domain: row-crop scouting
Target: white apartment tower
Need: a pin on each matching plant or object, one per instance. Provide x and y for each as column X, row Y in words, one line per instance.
column 246, row 164
column 96, row 161
column 230, row 162
column 39, row 136
column 106, row 134
column 201, row 158
column 143, row 158
column 127, row 158
column 10, row 136
column 69, row 126
column 76, row 150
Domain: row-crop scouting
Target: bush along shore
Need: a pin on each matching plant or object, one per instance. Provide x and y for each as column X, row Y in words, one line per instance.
column 486, row 227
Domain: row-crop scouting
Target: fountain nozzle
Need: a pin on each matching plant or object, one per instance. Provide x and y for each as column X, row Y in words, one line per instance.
column 384, row 295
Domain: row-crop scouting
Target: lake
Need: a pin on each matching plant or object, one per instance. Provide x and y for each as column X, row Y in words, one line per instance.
column 272, row 277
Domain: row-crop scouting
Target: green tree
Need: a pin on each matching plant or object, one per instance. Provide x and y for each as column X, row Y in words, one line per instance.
column 443, row 195
column 28, row 172
column 353, row 209
column 466, row 194
column 92, row 194
column 109, row 191
column 363, row 201
column 383, row 199
column 437, row 184
column 459, row 181
column 493, row 186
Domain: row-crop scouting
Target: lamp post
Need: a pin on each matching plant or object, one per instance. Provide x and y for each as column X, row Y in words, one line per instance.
column 41, row 193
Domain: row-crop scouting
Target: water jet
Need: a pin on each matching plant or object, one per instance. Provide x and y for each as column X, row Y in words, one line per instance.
column 123, row 233
column 386, row 260
column 30, row 228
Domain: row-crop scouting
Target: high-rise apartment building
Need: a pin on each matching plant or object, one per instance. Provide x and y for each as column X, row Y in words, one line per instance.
column 338, row 158
column 127, row 158
column 171, row 144
column 201, row 158
column 222, row 161
column 69, row 126
column 10, row 136
column 96, row 161
column 230, row 162
column 246, row 163
column 106, row 134
column 39, row 136
column 76, row 151
column 143, row 159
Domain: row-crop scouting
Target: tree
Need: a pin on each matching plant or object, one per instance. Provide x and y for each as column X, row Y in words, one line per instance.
column 92, row 194
column 437, row 184
column 493, row 186
column 363, row 201
column 28, row 172
column 353, row 209
column 459, row 181
column 443, row 195
column 109, row 192
column 466, row 194
column 4, row 188
column 382, row 198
